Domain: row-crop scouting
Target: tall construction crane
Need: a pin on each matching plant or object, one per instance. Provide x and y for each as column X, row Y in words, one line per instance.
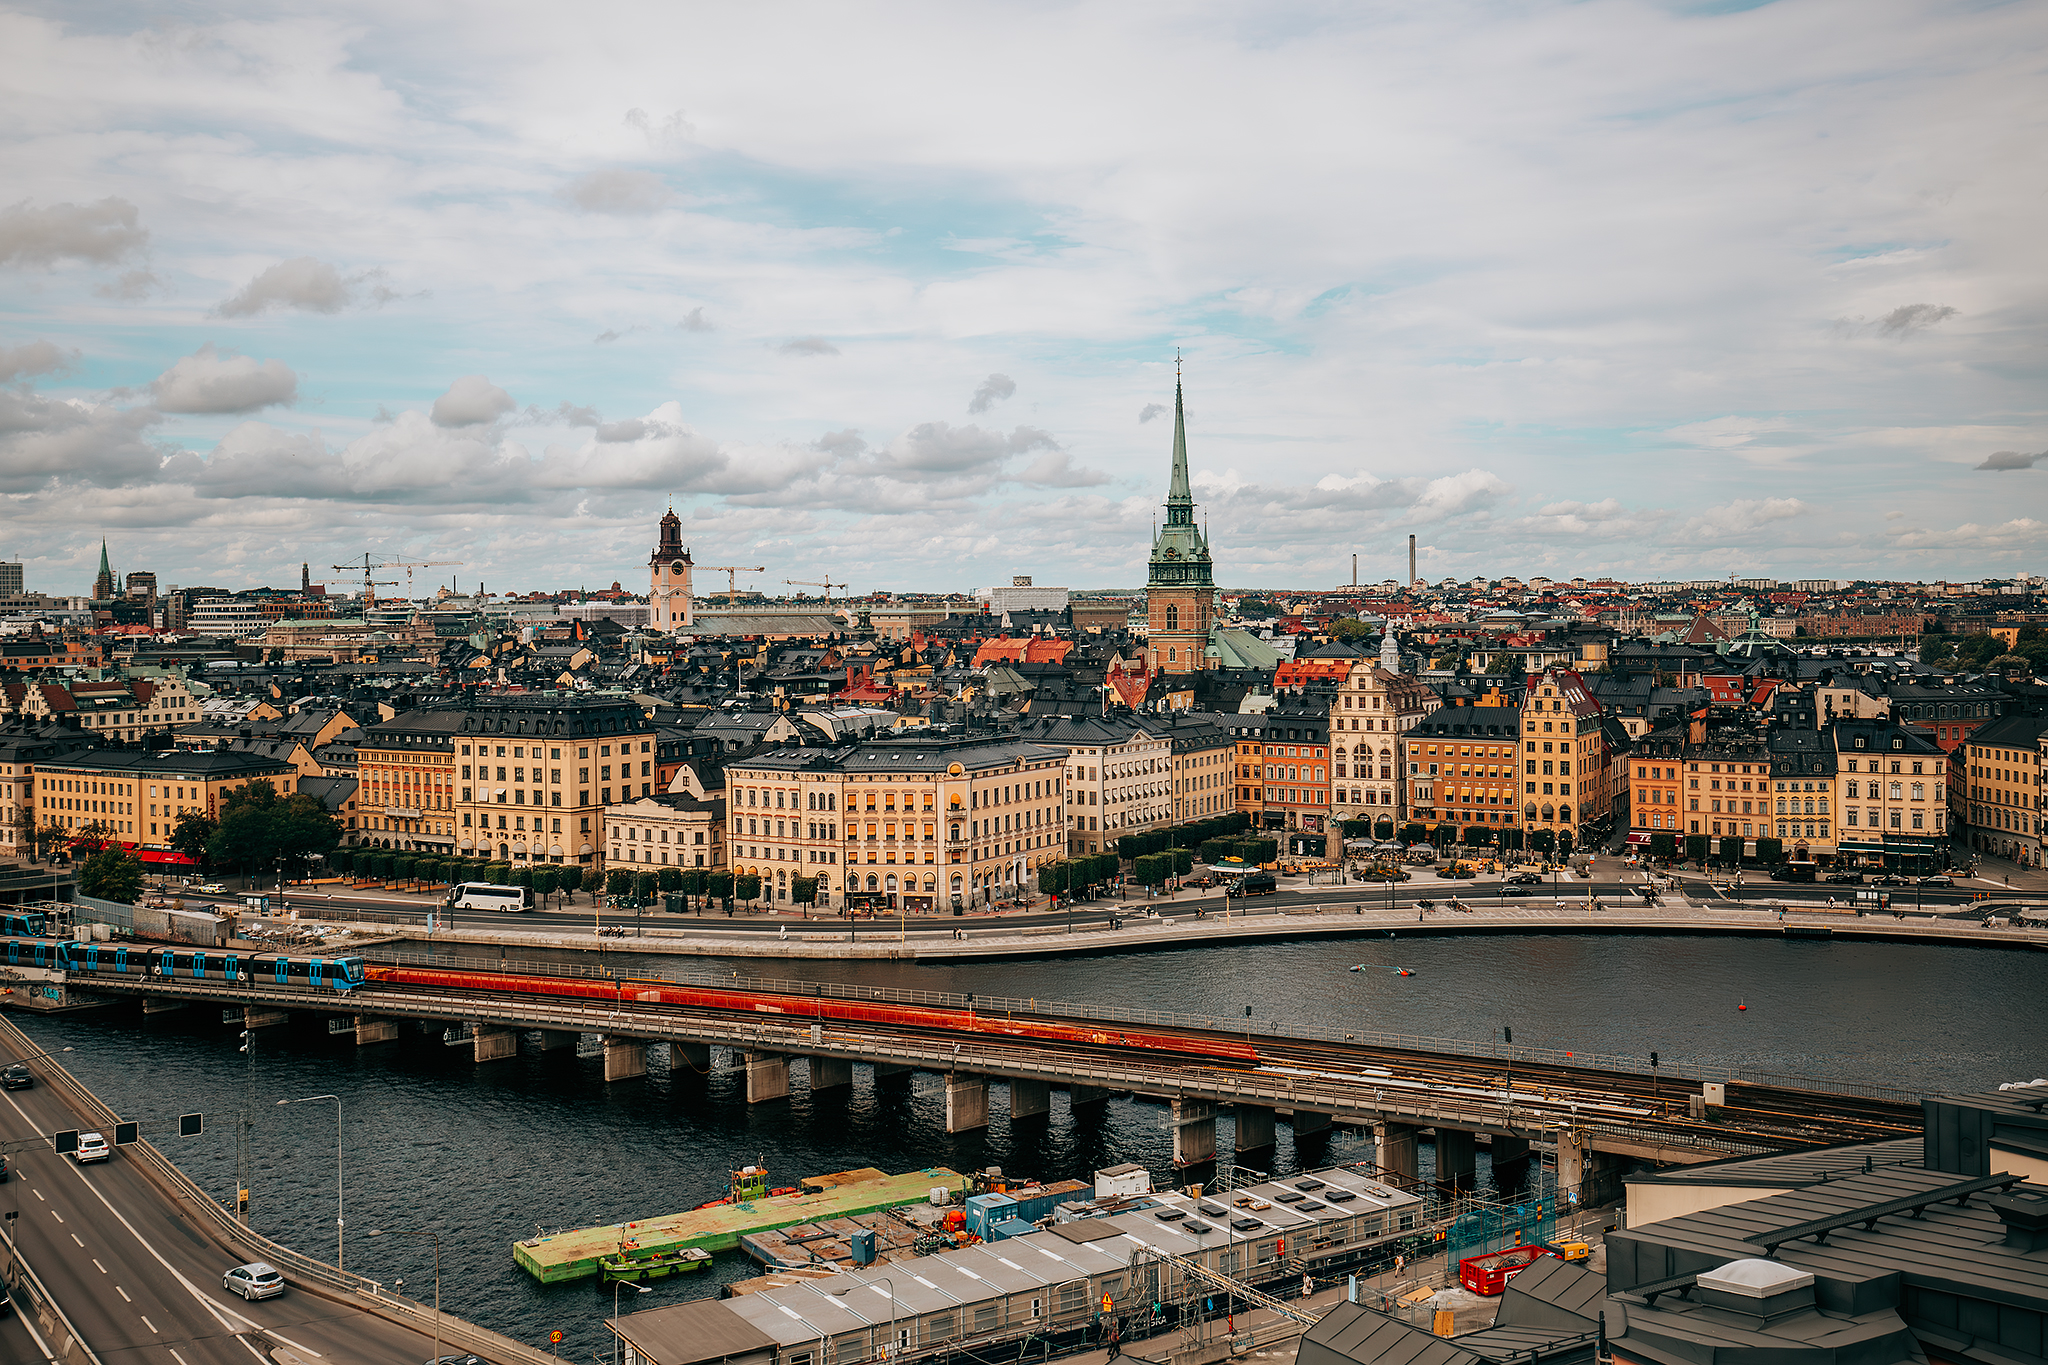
column 370, row 585
column 827, row 585
column 732, row 572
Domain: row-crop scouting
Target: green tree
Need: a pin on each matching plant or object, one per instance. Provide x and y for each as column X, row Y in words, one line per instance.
column 522, row 876
column 261, row 831
column 340, row 861
column 803, row 890
column 1259, row 607
column 1663, row 844
column 498, row 874
column 1150, row 870
column 1696, row 847
column 747, row 887
column 1413, row 833
column 1511, row 838
column 1731, row 851
column 111, row 876
column 1506, row 661
column 1478, row 836
column 719, row 885
column 669, row 879
column 1183, row 861
column 546, row 880
column 1052, row 878
column 1770, row 852
column 618, row 882
column 1564, row 843
column 191, row 835
column 571, row 878
column 1542, row 840
column 644, row 885
column 1350, row 628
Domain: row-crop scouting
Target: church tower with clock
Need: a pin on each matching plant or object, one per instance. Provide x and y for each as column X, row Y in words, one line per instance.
column 1180, row 584
column 670, row 607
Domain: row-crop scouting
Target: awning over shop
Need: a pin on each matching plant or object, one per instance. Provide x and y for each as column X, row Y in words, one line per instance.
column 164, row 856
column 1638, row 837
column 1856, row 846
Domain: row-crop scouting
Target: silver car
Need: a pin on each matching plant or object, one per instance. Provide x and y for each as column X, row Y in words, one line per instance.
column 253, row 1281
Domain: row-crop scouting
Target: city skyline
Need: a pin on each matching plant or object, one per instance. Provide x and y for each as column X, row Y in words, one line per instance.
column 1757, row 298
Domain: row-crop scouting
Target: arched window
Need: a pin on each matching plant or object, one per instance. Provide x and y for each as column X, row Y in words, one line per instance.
column 1173, row 618
column 889, row 884
column 1564, row 814
column 872, row 884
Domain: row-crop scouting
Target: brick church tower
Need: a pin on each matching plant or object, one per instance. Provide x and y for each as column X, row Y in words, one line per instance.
column 1180, row 586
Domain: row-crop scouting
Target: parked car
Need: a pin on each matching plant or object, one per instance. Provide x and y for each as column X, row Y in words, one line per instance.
column 1512, row 890
column 1891, row 879
column 1793, row 872
column 1844, row 878
column 1257, row 884
column 92, row 1147
column 17, row 1077
column 1525, row 879
column 1938, row 879
column 253, row 1281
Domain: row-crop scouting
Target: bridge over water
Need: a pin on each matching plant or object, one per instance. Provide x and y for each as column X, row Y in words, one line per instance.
column 1595, row 1111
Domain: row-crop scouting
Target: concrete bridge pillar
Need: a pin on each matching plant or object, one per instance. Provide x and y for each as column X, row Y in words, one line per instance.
column 1305, row 1123
column 152, row 1005
column 494, row 1044
column 767, row 1076
column 1394, row 1148
column 1194, row 1132
column 966, row 1102
column 831, row 1073
column 254, row 1016
column 1030, row 1099
column 690, row 1056
column 1456, row 1162
column 624, row 1058
column 1586, row 1177
column 1079, row 1094
column 370, row 1030
column 547, row 1039
column 1509, row 1151
column 1254, row 1130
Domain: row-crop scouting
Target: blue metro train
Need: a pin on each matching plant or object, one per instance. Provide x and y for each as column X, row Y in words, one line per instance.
column 192, row 964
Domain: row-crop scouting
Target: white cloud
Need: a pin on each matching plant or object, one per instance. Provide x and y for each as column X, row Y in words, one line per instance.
column 809, row 346
column 211, row 380
column 309, row 285
column 627, row 193
column 993, row 390
column 2011, row 459
column 37, row 357
column 470, row 400
column 102, row 233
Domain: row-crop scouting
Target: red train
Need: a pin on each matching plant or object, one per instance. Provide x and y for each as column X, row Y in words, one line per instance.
column 823, row 1008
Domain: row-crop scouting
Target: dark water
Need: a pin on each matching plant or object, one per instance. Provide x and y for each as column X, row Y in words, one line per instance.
column 486, row 1154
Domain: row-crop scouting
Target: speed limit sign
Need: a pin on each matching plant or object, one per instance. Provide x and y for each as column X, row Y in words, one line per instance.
column 555, row 1337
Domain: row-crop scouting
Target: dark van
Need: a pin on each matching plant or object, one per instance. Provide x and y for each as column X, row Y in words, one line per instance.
column 1257, row 884
column 1793, row 872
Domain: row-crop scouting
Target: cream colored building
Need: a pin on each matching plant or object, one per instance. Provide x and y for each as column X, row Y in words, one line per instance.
column 665, row 831
column 535, row 771
column 1373, row 708
column 918, row 822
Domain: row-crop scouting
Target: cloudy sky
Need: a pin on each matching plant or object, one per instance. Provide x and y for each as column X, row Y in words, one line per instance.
column 892, row 293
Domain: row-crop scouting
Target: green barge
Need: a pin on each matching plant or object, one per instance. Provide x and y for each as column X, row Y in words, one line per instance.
column 749, row 1207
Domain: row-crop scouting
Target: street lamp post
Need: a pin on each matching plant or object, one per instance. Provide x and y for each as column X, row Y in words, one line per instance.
column 339, row 1225
column 408, row 1232
column 617, row 1287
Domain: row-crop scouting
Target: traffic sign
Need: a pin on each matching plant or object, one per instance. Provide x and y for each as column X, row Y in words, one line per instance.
column 191, row 1125
column 66, row 1141
column 124, row 1133
column 555, row 1337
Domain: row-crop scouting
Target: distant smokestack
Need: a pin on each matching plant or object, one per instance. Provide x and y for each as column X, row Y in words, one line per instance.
column 1354, row 571
column 1411, row 561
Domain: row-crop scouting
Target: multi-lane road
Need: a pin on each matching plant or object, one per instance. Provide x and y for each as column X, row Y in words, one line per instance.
column 141, row 1282
column 1612, row 884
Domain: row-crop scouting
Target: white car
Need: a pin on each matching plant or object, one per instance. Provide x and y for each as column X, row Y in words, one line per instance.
column 91, row 1147
column 253, row 1281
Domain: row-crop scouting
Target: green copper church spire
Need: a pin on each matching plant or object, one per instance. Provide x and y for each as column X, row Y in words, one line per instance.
column 1178, row 498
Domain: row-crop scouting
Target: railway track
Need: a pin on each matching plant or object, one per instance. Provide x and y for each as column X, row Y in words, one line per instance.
column 1364, row 1078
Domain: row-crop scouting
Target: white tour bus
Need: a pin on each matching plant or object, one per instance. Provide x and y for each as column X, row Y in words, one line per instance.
column 484, row 896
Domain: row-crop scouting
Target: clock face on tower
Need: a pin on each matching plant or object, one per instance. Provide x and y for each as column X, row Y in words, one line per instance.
column 676, row 568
